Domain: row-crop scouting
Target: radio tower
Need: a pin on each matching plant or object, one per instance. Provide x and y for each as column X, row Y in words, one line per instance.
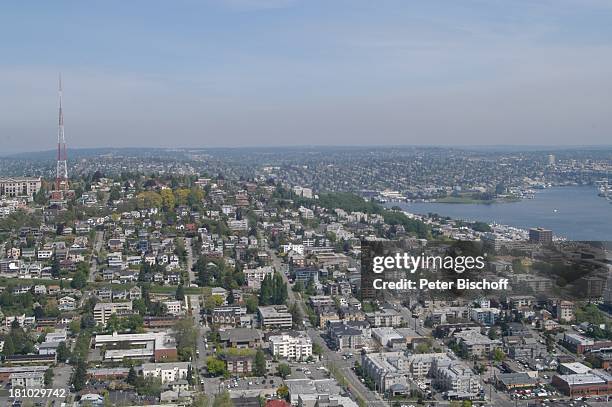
column 61, row 174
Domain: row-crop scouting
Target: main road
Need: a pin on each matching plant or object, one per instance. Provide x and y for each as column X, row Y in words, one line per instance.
column 194, row 303
column 96, row 247
column 329, row 357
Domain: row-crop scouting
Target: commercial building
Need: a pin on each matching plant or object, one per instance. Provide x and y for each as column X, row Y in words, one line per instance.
column 157, row 345
column 573, row 368
column 19, row 186
column 595, row 383
column 578, row 343
column 29, row 380
column 513, row 381
column 291, row 347
column 304, row 275
column 7, row 371
column 388, row 337
column 275, row 316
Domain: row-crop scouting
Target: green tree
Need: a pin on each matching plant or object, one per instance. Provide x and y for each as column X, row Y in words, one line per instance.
column 259, row 367
column 223, row 400
column 168, row 201
column 63, row 353
column 180, row 293
column 9, row 346
column 498, row 355
column 131, row 378
column 75, row 326
column 283, row 392
column 283, row 370
column 190, row 378
column 113, row 324
column 186, row 336
column 150, row 386
column 55, row 268
column 215, row 366
column 251, row 303
column 79, row 280
column 201, row 400
column 422, row 347
column 266, row 291
column 78, row 378
column 310, row 287
column 49, row 377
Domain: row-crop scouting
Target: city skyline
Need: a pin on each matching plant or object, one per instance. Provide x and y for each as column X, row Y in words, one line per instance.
column 292, row 73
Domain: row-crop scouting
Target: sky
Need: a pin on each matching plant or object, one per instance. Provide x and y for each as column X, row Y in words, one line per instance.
column 230, row 73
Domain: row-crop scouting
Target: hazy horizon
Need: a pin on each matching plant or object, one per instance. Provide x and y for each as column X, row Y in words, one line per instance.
column 266, row 73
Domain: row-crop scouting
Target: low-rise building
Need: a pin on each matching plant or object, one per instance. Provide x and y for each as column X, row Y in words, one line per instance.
column 275, row 316
column 28, row 380
column 455, row 379
column 174, row 307
column 349, row 334
column 160, row 346
column 476, row 344
column 233, row 316
column 241, row 338
column 291, row 347
column 565, row 311
column 167, row 372
column 384, row 317
column 103, row 310
column 595, row 383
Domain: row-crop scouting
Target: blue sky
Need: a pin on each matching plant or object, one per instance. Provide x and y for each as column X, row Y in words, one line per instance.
column 293, row 72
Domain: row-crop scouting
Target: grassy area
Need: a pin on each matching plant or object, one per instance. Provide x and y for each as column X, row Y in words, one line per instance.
column 36, row 281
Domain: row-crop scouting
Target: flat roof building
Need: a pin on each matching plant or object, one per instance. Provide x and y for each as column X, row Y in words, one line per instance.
column 275, row 316
column 157, row 345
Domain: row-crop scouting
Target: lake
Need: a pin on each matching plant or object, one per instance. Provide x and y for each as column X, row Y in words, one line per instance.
column 576, row 212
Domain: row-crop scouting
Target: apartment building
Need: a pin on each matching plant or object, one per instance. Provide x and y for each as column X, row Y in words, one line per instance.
column 233, row 316
column 565, row 311
column 476, row 344
column 254, row 277
column 384, row 317
column 291, row 347
column 167, row 372
column 456, row 379
column 103, row 310
column 174, row 307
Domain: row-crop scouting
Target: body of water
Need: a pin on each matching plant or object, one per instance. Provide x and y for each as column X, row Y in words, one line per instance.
column 576, row 213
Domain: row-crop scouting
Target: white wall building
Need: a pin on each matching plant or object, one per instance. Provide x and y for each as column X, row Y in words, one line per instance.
column 291, row 347
column 168, row 372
